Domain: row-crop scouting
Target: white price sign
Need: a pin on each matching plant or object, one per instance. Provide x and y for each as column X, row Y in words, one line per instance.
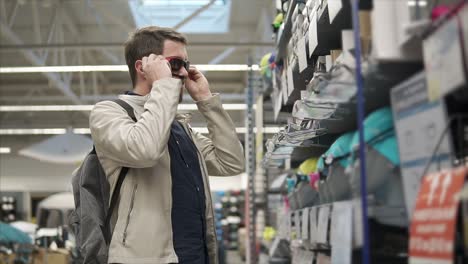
column 324, row 216
column 334, row 6
column 290, row 79
column 297, row 223
column 341, row 233
column 313, row 41
column 313, row 224
column 305, row 223
column 302, row 54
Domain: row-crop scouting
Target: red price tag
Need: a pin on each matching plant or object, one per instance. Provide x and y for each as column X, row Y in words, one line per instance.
column 433, row 224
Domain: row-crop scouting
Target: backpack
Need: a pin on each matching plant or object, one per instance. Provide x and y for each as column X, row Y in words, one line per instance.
column 90, row 221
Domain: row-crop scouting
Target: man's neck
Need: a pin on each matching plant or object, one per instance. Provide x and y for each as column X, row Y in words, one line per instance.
column 141, row 89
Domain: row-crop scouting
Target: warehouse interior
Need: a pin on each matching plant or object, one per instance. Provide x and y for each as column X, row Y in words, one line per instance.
column 352, row 115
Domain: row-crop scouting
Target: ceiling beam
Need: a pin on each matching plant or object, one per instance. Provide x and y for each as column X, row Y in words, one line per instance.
column 17, row 86
column 223, row 55
column 36, row 61
column 12, row 17
column 194, row 15
column 111, row 45
column 115, row 20
column 226, row 97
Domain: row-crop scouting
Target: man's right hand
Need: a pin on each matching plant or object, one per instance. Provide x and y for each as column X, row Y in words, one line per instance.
column 156, row 67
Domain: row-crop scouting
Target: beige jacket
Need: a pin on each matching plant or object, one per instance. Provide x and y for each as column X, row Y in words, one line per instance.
column 143, row 230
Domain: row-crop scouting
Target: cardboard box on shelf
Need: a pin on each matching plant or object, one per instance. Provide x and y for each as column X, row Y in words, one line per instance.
column 366, row 31
column 45, row 256
column 334, row 55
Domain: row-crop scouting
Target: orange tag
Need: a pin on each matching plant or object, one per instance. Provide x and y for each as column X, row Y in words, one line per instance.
column 432, row 231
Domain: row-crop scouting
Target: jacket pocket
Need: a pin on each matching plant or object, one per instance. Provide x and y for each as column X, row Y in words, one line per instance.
column 129, row 215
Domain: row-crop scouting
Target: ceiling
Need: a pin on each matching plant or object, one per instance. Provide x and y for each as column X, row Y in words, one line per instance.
column 91, row 32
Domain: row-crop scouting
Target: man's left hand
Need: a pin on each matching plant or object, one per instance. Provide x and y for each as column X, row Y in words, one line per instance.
column 197, row 85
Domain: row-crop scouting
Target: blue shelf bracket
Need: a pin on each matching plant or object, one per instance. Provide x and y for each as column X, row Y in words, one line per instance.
column 360, row 120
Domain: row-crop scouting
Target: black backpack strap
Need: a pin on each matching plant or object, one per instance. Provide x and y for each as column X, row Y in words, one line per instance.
column 127, row 108
column 114, row 199
column 123, row 171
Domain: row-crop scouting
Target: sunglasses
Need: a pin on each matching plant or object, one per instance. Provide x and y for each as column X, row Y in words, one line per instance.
column 177, row 64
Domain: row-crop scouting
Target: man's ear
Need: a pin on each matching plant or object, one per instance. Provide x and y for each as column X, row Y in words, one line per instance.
column 139, row 69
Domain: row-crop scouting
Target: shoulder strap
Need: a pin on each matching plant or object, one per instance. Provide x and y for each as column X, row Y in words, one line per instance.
column 123, row 171
column 127, row 108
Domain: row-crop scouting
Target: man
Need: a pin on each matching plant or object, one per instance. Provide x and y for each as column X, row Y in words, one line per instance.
column 165, row 212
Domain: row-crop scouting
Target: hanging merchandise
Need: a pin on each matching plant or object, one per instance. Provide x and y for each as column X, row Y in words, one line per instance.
column 300, row 192
column 384, row 181
column 334, row 182
column 267, row 66
column 277, row 22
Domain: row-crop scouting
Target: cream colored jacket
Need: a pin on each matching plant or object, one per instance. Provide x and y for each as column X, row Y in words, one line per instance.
column 143, row 230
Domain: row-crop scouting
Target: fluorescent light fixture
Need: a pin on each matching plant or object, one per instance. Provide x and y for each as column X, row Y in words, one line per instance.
column 178, row 2
column 45, row 108
column 32, row 131
column 421, row 3
column 120, row 68
column 266, row 130
column 5, row 150
column 62, row 108
column 58, row 131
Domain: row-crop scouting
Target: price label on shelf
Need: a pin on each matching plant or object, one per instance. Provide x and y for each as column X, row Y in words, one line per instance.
column 463, row 15
column 303, row 256
column 313, row 41
column 334, row 6
column 297, row 223
column 290, row 80
column 273, row 79
column 432, row 231
column 284, row 86
column 323, row 259
column 443, row 60
column 302, row 54
column 309, row 257
column 417, row 122
column 313, row 224
column 324, row 216
column 305, row 223
column 341, row 232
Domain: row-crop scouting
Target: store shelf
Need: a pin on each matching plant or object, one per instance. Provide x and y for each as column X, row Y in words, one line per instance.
column 282, row 42
column 322, row 236
column 378, row 82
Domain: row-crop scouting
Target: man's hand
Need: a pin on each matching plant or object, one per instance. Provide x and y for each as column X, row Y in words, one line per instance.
column 155, row 67
column 197, row 85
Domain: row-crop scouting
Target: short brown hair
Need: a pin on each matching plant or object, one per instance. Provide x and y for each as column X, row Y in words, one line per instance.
column 144, row 41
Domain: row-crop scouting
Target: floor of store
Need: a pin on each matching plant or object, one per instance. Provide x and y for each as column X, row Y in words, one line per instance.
column 232, row 257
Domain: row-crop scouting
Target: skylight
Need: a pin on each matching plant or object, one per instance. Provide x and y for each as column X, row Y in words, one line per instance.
column 170, row 13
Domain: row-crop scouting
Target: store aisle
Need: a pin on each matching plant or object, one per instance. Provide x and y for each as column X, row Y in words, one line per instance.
column 232, row 257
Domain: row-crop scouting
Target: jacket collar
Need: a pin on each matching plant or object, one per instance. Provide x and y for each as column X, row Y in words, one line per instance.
column 140, row 101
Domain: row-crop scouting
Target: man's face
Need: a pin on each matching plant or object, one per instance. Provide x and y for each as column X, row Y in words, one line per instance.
column 176, row 49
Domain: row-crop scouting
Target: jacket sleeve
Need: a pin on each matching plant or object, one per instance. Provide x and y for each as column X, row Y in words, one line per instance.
column 222, row 150
column 140, row 144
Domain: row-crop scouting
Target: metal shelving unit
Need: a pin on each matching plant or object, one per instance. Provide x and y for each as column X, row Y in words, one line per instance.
column 368, row 221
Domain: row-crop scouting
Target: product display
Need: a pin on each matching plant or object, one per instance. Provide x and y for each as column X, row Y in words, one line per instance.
column 8, row 212
column 256, row 132
column 396, row 116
